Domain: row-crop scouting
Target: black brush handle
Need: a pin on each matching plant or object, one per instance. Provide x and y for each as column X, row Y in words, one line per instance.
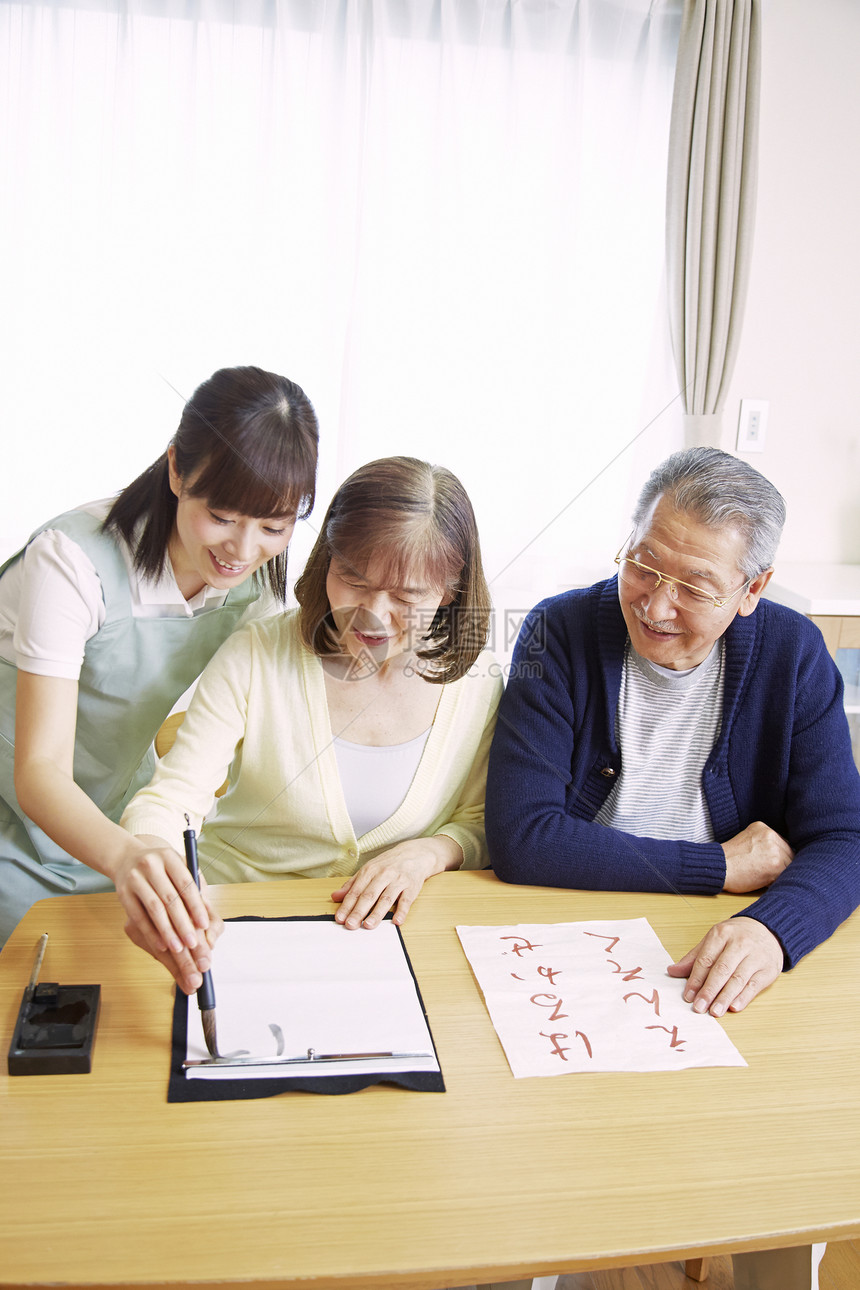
column 206, row 993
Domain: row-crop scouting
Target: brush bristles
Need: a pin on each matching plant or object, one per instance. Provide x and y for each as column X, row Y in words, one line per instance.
column 207, row 1016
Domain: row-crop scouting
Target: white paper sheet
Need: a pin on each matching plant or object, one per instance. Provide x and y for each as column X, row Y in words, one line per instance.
column 284, row 987
column 571, row 997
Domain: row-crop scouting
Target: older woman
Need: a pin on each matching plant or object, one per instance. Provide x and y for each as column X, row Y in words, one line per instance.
column 355, row 730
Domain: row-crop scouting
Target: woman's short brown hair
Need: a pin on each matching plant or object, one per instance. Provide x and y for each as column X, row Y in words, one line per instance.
column 417, row 520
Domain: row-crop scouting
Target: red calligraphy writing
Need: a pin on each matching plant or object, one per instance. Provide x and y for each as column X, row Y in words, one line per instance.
column 557, row 1050
column 554, row 1002
column 629, row 974
column 674, row 1041
column 525, row 944
column 613, row 940
column 655, row 999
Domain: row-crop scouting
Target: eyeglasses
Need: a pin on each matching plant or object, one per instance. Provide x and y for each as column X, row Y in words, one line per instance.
column 687, row 597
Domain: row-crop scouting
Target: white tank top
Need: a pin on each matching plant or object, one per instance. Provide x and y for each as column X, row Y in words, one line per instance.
column 376, row 780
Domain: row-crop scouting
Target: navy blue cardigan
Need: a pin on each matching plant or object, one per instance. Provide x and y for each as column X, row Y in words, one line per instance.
column 783, row 756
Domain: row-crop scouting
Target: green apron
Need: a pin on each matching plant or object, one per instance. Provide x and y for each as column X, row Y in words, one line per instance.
column 133, row 672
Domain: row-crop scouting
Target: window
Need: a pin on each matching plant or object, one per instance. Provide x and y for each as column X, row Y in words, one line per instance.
column 444, row 218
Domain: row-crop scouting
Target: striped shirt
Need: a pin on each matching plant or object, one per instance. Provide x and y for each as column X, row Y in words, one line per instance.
column 665, row 725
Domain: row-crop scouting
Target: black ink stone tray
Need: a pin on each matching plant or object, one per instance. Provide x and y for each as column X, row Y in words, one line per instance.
column 55, row 1030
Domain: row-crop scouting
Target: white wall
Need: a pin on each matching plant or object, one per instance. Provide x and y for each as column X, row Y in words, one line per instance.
column 801, row 340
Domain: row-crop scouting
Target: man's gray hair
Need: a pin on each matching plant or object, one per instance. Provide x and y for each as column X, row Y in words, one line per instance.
column 720, row 490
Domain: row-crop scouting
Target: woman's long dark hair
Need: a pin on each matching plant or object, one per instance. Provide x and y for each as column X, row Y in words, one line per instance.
column 247, row 442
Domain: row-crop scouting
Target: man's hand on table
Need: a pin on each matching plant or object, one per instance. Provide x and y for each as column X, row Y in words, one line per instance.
column 730, row 965
column 755, row 858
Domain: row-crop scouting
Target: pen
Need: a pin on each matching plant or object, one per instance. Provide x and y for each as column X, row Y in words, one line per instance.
column 206, row 993
column 37, row 966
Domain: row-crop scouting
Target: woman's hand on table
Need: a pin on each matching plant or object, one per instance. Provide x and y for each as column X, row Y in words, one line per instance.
column 393, row 880
column 167, row 915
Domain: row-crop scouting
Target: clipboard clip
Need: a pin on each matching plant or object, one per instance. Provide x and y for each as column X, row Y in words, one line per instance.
column 311, row 1056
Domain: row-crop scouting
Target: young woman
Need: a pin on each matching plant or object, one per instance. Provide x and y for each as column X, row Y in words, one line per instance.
column 111, row 611
column 356, row 729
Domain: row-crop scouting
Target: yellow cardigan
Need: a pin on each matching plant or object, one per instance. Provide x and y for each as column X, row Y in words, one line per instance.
column 260, row 715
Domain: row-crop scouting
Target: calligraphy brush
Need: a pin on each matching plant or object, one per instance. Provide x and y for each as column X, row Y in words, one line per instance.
column 206, row 993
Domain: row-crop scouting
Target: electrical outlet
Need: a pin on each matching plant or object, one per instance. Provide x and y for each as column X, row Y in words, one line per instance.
column 752, row 424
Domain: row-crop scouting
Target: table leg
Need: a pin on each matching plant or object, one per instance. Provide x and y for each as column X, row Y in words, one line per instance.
column 696, row 1269
column 792, row 1269
column 507, row 1285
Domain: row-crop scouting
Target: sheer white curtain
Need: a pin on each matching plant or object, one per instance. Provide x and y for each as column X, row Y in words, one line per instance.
column 444, row 218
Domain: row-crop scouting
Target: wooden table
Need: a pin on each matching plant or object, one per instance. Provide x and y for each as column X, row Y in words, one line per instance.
column 102, row 1183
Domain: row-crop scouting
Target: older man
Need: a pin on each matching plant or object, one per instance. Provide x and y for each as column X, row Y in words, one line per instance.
column 669, row 730
column 672, row 731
